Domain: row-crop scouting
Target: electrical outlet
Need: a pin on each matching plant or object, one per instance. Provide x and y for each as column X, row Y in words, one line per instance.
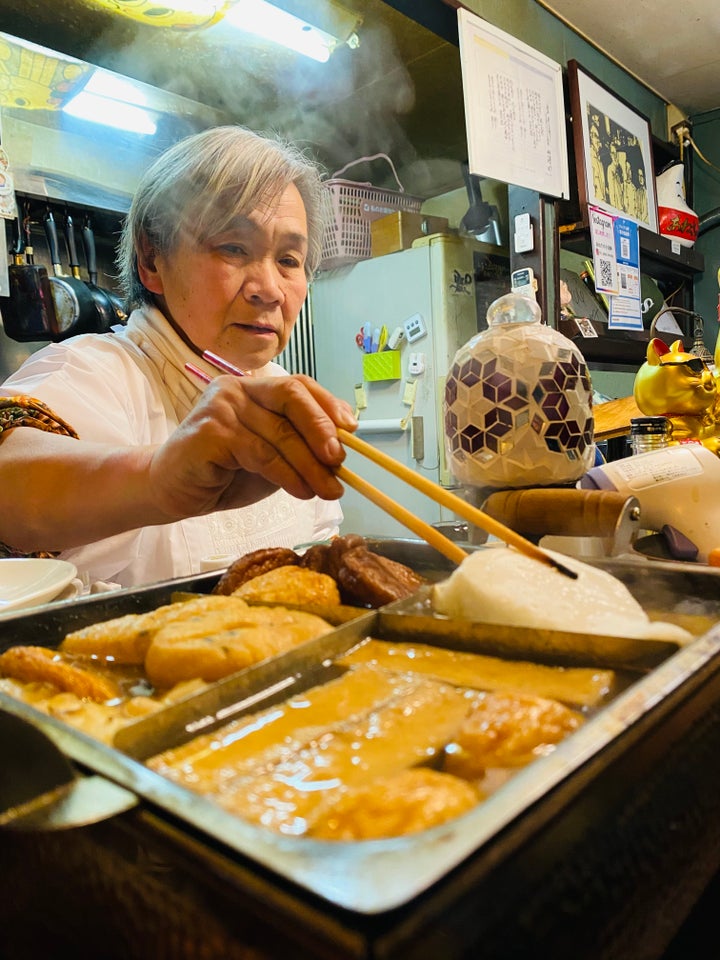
column 681, row 132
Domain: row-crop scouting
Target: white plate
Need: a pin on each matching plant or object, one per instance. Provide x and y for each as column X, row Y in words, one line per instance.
column 30, row 581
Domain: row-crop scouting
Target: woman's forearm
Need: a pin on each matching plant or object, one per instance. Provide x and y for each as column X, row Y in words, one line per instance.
column 58, row 492
column 239, row 443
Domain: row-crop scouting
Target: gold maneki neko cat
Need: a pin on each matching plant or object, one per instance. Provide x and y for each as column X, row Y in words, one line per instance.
column 680, row 386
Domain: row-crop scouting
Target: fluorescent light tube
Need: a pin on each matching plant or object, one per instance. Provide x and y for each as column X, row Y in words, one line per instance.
column 110, row 113
column 270, row 22
column 112, row 85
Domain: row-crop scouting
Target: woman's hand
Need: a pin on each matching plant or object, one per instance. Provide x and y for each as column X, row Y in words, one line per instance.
column 243, row 440
column 246, row 438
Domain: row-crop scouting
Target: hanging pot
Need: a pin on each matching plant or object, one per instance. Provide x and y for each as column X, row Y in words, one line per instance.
column 28, row 313
column 75, row 307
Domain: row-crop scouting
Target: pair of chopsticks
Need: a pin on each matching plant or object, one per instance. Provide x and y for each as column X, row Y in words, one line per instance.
column 434, row 491
column 215, row 361
column 440, row 495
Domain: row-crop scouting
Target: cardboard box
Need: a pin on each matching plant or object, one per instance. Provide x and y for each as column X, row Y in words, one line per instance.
column 396, row 231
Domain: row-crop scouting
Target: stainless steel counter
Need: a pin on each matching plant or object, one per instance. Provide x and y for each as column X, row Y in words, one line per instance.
column 597, row 850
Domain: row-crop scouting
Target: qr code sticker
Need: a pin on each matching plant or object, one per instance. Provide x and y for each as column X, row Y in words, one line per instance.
column 606, row 274
column 625, row 248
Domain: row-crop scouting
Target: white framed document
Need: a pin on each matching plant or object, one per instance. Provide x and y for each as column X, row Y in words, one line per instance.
column 514, row 109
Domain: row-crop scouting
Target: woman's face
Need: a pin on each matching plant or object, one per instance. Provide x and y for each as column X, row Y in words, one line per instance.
column 238, row 293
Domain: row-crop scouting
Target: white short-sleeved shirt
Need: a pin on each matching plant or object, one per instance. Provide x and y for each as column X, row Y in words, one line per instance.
column 130, row 388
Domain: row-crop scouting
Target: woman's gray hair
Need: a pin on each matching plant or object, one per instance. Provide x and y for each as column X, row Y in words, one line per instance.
column 201, row 183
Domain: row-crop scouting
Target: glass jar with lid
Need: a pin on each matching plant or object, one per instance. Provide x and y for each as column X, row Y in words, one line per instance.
column 649, row 433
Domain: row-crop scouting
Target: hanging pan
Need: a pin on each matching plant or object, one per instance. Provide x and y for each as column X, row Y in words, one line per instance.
column 106, row 314
column 116, row 303
column 75, row 305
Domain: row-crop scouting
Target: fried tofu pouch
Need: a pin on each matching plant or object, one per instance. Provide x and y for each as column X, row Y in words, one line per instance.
column 199, row 648
column 127, row 639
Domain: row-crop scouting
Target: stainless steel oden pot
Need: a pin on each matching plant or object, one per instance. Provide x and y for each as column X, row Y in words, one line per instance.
column 593, row 851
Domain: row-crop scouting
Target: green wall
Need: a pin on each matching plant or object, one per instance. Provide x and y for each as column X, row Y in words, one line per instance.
column 533, row 24
column 706, row 197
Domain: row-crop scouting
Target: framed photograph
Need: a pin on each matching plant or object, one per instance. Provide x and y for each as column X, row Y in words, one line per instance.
column 613, row 151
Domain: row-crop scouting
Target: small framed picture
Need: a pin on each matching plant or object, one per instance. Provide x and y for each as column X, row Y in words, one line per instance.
column 585, row 327
column 613, row 151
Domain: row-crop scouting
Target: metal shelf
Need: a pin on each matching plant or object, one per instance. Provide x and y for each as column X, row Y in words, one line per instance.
column 657, row 257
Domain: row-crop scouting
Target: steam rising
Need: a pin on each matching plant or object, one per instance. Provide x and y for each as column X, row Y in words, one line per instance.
column 360, row 103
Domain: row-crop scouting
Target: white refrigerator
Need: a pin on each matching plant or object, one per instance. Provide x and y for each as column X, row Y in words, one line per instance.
column 431, row 291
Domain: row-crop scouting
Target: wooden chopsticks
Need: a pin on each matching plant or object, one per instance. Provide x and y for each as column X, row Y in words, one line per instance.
column 447, row 499
column 441, row 543
column 448, row 548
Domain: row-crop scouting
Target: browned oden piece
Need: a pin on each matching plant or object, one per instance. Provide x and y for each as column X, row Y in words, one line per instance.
column 372, row 580
column 41, row 665
column 507, row 730
column 364, row 578
column 252, row 565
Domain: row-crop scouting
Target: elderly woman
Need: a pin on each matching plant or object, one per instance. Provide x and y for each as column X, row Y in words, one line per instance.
column 145, row 471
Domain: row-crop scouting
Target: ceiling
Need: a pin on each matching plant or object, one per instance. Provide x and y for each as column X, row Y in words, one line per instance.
column 673, row 46
column 399, row 93
column 375, row 99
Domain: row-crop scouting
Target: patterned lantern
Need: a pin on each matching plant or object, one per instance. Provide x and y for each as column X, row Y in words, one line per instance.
column 518, row 403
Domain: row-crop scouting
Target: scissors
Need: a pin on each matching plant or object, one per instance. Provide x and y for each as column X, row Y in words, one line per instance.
column 359, row 340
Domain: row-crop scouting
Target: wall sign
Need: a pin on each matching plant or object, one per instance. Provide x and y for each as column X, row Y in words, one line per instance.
column 514, row 109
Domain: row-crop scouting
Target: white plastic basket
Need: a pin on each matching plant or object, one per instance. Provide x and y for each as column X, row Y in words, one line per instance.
column 349, row 209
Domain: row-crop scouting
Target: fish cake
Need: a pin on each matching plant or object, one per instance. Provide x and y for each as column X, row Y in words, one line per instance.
column 126, row 639
column 393, row 806
column 507, row 730
column 291, row 584
column 199, row 648
column 42, row 665
column 579, row 686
